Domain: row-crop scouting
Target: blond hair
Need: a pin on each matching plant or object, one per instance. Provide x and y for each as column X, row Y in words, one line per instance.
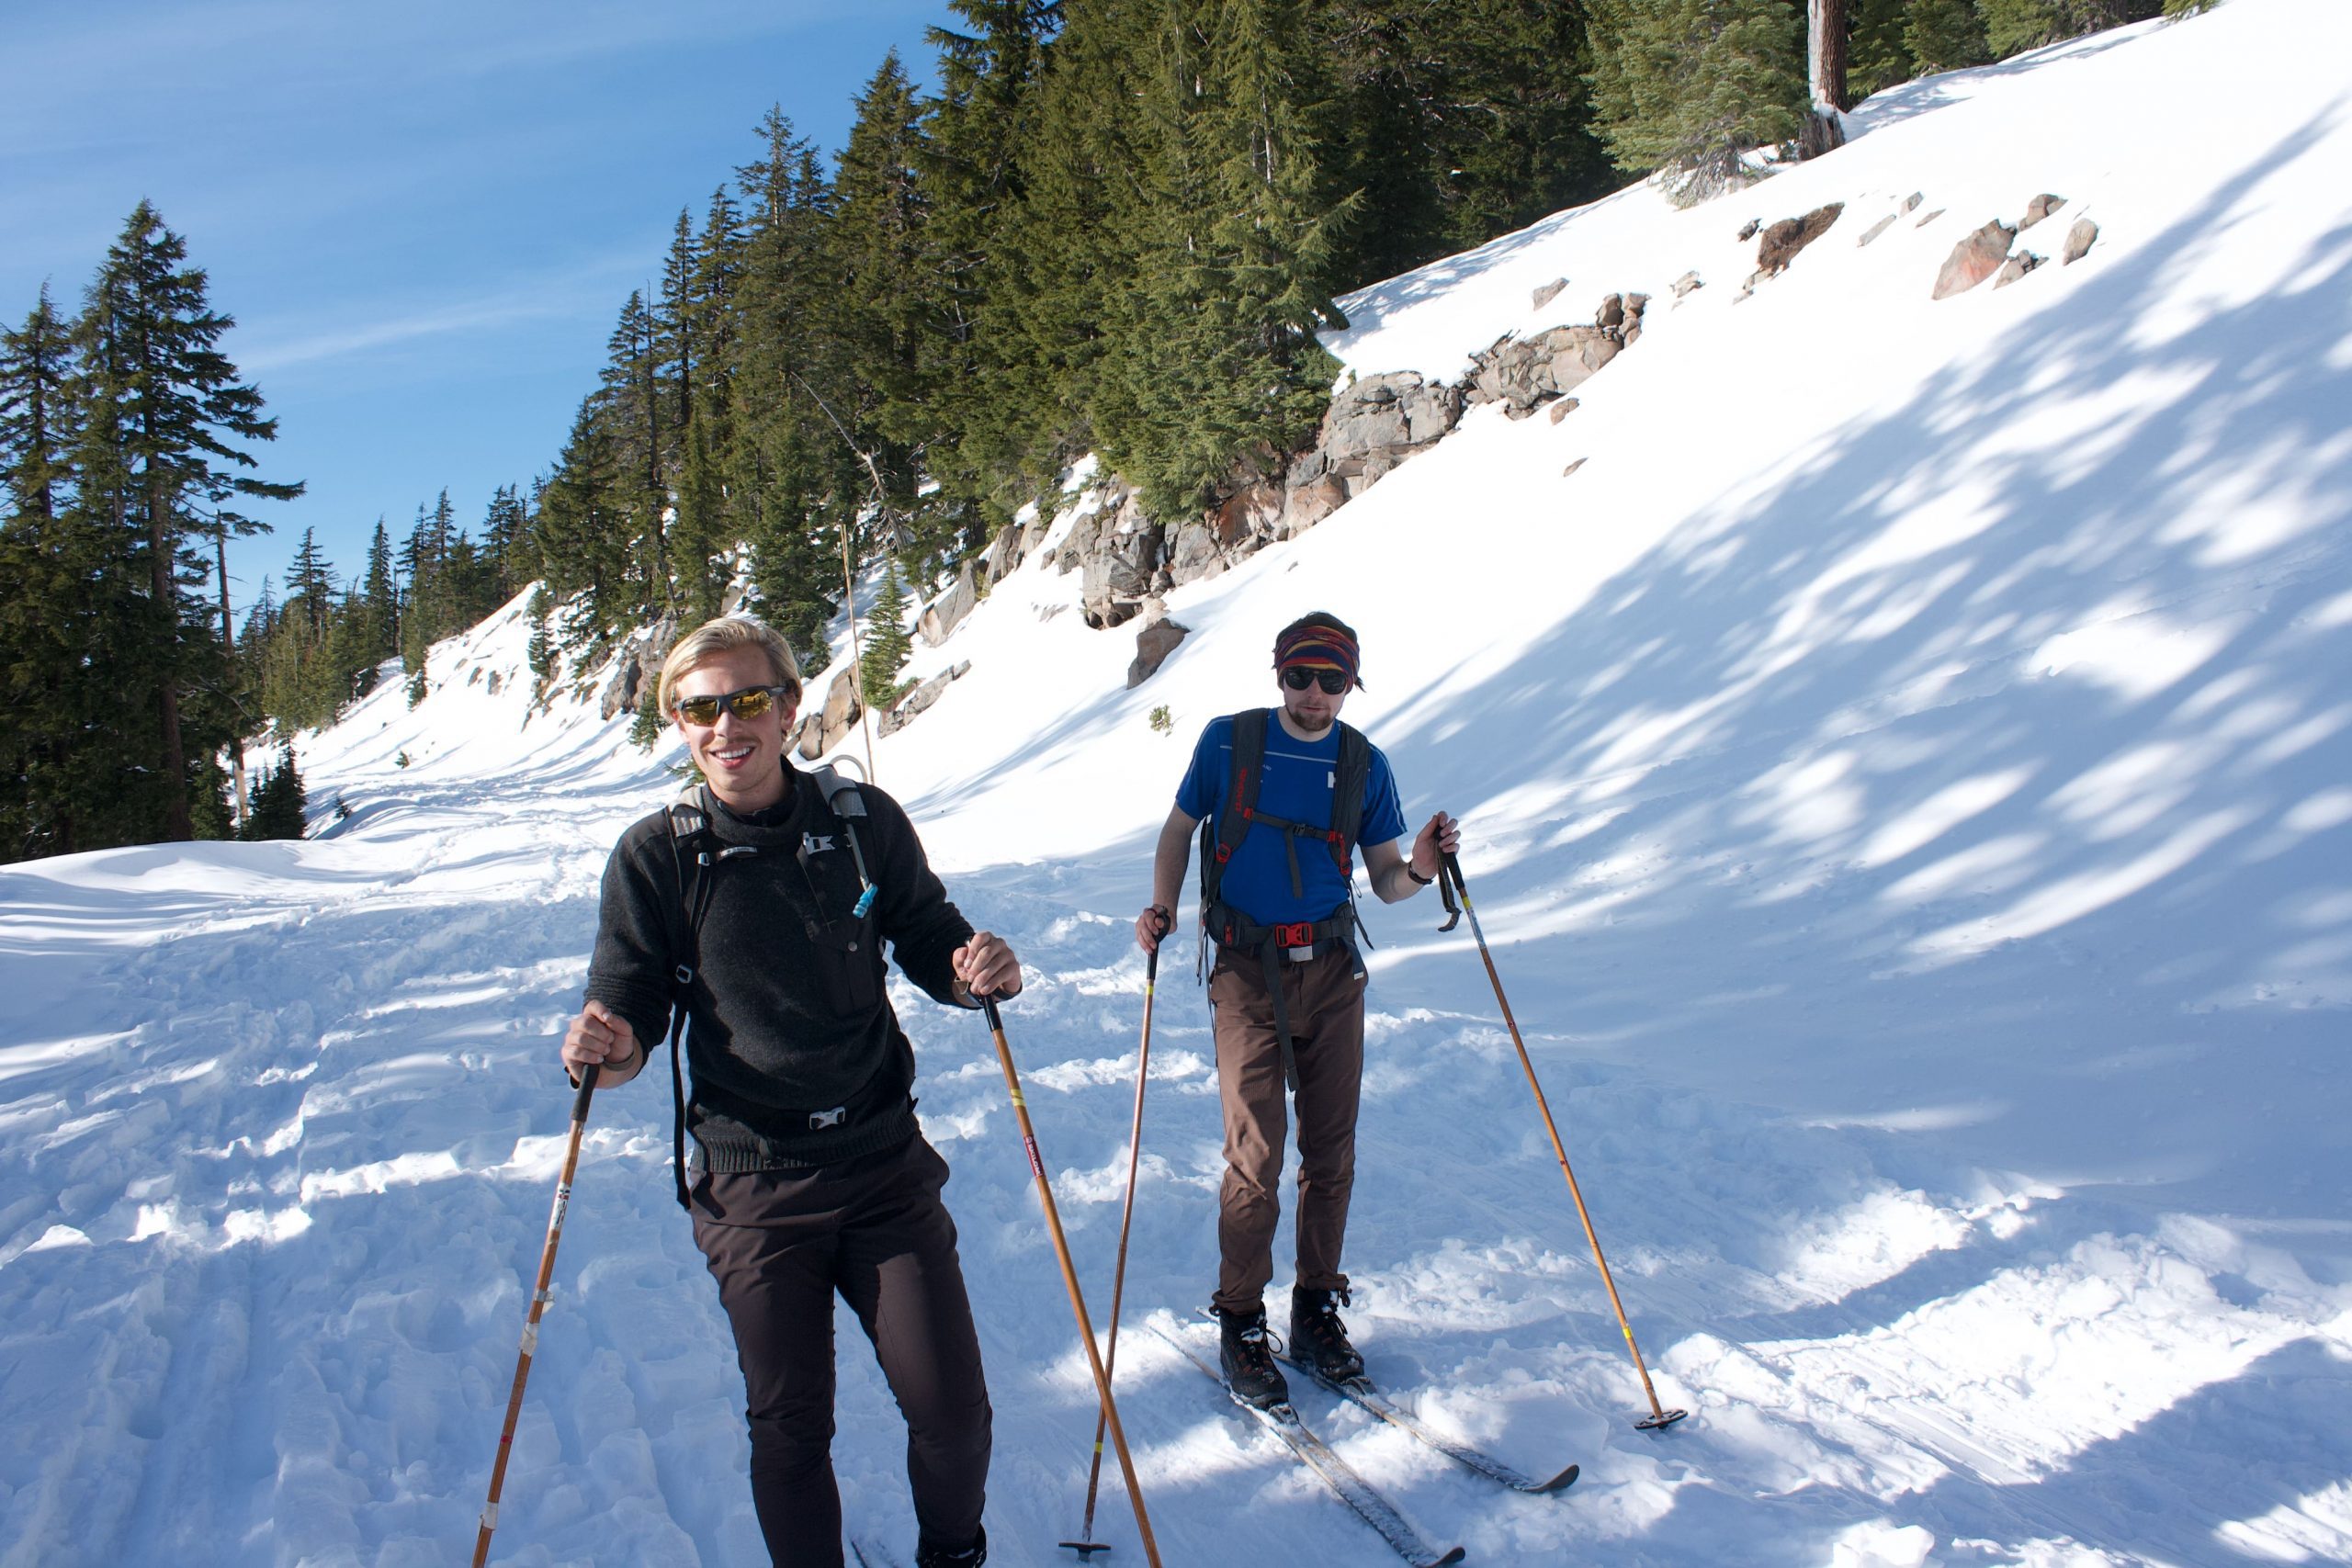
column 713, row 638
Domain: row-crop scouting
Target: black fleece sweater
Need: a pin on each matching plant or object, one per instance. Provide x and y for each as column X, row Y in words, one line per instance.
column 788, row 1019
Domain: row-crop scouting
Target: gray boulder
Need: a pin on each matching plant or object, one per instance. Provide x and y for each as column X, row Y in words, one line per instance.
column 1154, row 643
column 1549, row 292
column 1875, row 230
column 640, row 667
column 2040, row 208
column 948, row 612
column 2017, row 266
column 2079, row 240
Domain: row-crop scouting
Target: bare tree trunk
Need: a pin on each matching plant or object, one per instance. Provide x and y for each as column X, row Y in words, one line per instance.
column 1825, row 23
column 228, row 650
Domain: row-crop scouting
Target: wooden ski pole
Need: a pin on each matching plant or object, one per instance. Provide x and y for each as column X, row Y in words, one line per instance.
column 1086, row 1545
column 1069, row 1279
column 1658, row 1416
column 538, row 1304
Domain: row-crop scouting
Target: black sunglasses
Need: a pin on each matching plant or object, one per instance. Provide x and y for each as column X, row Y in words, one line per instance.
column 749, row 703
column 1333, row 682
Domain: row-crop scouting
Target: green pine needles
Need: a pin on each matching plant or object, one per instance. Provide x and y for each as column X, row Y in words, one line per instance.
column 1689, row 89
column 887, row 646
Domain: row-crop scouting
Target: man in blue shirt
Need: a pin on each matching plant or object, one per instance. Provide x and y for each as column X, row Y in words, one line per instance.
column 1290, row 793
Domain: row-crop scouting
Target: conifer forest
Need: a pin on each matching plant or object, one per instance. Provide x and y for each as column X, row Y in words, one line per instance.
column 1114, row 226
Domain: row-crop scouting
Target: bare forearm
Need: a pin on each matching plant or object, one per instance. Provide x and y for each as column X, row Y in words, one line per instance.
column 1169, row 860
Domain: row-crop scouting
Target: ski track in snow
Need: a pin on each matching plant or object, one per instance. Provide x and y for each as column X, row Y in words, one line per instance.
column 1913, row 831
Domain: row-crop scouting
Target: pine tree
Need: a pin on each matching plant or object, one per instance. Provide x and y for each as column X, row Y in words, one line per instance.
column 1878, row 56
column 887, row 645
column 161, row 408
column 59, row 607
column 1211, row 352
column 976, row 375
column 279, row 801
column 2012, row 27
column 1688, row 88
column 1944, row 35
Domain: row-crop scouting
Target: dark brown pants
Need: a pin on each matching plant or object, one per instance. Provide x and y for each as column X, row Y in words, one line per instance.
column 781, row 1244
column 1325, row 1000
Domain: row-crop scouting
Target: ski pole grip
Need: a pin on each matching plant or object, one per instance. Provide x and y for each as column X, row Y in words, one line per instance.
column 587, row 1087
column 988, row 1004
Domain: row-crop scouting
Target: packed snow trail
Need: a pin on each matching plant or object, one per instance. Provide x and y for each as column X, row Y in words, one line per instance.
column 1905, row 777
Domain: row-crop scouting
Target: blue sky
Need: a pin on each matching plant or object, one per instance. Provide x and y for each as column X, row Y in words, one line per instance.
column 424, row 217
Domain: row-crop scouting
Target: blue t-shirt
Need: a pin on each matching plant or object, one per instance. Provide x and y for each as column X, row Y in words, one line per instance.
column 1300, row 781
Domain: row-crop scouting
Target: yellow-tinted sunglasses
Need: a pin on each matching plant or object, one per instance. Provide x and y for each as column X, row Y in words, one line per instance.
column 751, row 702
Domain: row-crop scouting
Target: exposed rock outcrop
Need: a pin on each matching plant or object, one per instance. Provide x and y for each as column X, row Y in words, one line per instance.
column 1549, row 292
column 1783, row 239
column 948, row 612
column 917, row 700
column 1875, row 230
column 823, row 729
column 2079, row 240
column 1524, row 374
column 640, row 667
column 1975, row 259
column 2017, row 266
column 2040, row 208
column 1154, row 643
column 1126, row 558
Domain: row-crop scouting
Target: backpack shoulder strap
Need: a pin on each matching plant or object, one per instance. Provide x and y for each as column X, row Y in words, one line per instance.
column 842, row 798
column 1347, row 797
column 1234, row 814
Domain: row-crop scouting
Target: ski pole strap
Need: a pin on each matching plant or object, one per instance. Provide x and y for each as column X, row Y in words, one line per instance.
column 678, row 1102
column 1445, row 893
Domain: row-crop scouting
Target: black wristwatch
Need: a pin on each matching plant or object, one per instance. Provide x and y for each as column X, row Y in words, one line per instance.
column 1417, row 876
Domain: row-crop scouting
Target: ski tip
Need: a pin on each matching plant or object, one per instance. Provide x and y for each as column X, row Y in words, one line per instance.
column 1086, row 1548
column 1662, row 1420
column 1453, row 1555
column 1561, row 1482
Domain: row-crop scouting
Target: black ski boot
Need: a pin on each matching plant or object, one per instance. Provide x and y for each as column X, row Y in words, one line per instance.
column 1247, row 1359
column 971, row 1556
column 1319, row 1338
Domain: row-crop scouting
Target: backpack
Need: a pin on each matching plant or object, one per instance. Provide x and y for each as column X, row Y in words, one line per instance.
column 691, row 844
column 1222, row 834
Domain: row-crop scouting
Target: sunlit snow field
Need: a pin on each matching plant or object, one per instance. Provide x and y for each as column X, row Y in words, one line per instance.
column 1906, row 781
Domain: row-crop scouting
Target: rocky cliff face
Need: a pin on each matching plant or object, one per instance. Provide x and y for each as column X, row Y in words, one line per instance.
column 1128, row 557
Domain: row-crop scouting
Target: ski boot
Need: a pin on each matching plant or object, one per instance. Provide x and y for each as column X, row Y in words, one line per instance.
column 971, row 1556
column 1319, row 1338
column 1247, row 1359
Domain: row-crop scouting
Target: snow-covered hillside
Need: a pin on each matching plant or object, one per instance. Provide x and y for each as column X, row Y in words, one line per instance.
column 1907, row 779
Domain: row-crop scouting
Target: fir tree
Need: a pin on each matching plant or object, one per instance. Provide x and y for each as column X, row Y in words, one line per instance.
column 279, row 801
column 60, row 609
column 887, row 646
column 2012, row 27
column 1690, row 88
column 1944, row 35
column 161, row 408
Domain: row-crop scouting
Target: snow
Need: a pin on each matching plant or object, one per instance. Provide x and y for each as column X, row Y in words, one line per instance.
column 1906, row 779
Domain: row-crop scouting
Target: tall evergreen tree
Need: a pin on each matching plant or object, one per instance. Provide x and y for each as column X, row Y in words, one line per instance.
column 54, row 619
column 1690, row 88
column 158, row 466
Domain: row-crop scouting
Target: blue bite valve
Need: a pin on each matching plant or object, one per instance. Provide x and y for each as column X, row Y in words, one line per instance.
column 865, row 902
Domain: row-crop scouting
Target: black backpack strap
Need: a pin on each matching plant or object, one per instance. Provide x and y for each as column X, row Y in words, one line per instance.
column 840, row 798
column 693, row 851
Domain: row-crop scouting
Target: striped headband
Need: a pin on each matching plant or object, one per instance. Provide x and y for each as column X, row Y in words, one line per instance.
column 1318, row 647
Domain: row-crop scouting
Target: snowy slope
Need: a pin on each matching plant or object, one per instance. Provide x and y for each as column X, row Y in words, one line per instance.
column 1906, row 778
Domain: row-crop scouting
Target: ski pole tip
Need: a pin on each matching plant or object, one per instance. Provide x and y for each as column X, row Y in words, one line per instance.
column 1661, row 1420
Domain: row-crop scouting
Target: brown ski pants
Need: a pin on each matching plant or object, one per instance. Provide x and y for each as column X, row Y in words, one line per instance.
column 1325, row 1000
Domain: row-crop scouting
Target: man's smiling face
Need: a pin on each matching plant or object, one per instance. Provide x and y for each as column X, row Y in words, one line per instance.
column 741, row 757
